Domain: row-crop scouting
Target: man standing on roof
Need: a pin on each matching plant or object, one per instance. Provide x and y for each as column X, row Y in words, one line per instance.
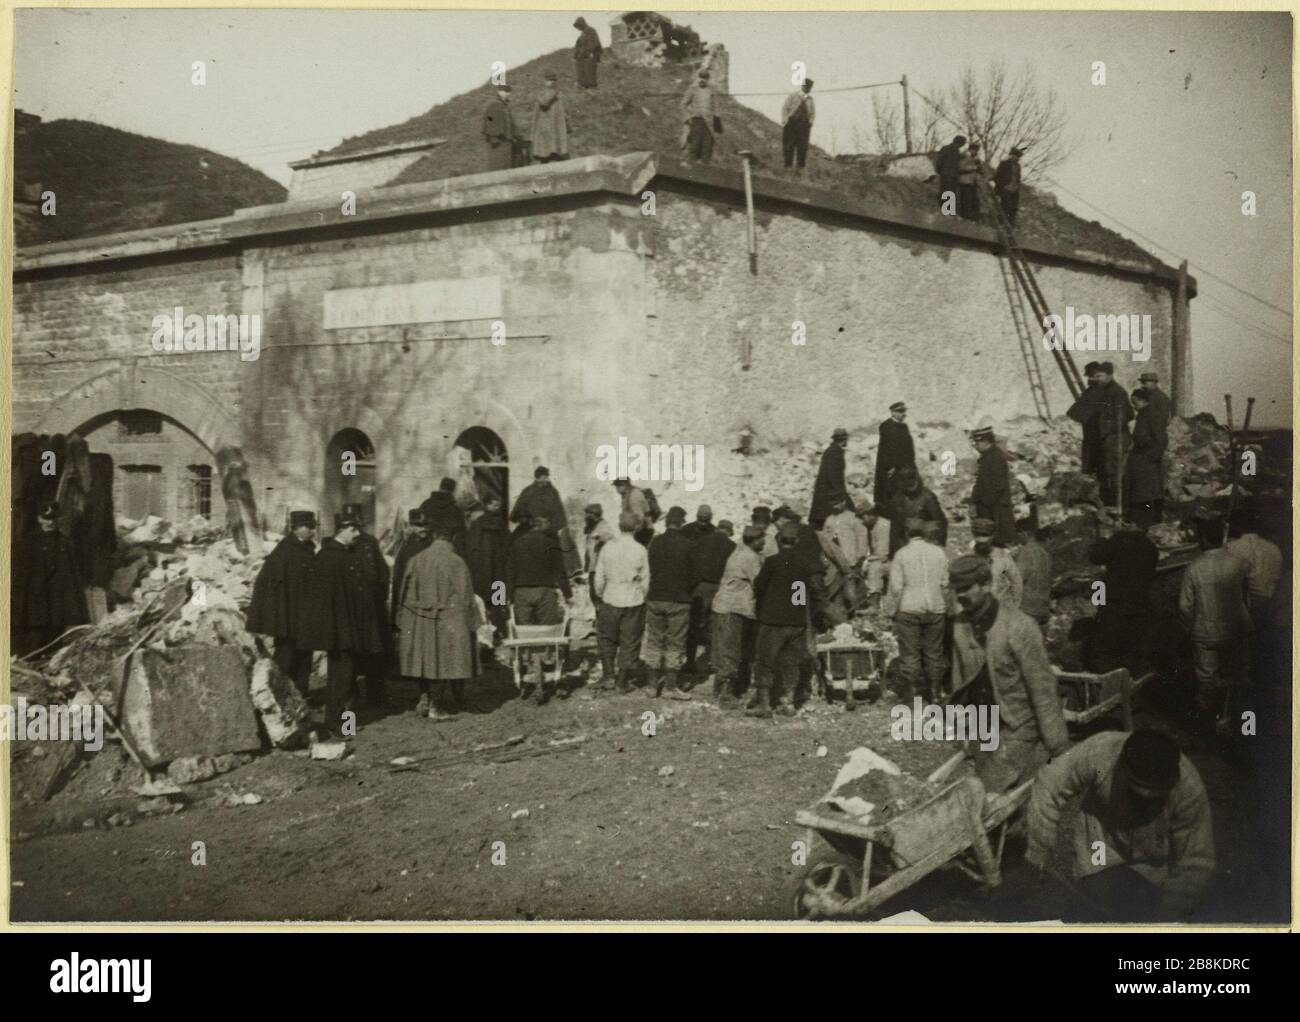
column 499, row 131
column 586, row 54
column 550, row 131
column 947, row 164
column 1006, row 184
column 700, row 120
column 797, row 115
column 970, row 170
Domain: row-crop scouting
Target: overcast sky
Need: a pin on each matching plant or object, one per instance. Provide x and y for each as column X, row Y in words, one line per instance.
column 1196, row 109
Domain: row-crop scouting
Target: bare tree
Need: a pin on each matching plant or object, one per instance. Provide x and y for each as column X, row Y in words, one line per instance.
column 1000, row 108
column 996, row 107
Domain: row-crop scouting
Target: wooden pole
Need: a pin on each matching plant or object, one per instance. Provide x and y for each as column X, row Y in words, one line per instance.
column 1119, row 458
column 746, row 155
column 1181, row 359
column 907, row 117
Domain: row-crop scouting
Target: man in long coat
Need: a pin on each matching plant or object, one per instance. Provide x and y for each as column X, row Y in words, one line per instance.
column 48, row 594
column 1144, row 476
column 1084, row 412
column 375, row 669
column 1105, row 407
column 436, row 620
column 540, row 497
column 499, row 131
column 1157, row 398
column 991, row 496
column 550, row 128
column 340, row 615
column 896, row 451
column 911, row 499
column 415, row 540
column 947, row 164
column 830, row 479
column 1006, row 184
column 280, row 594
column 441, row 508
column 486, row 545
column 586, row 54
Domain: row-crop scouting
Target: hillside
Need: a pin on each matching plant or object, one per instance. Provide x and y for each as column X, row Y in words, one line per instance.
column 637, row 108
column 107, row 180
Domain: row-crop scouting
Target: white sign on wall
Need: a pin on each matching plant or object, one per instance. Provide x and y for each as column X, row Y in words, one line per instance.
column 424, row 301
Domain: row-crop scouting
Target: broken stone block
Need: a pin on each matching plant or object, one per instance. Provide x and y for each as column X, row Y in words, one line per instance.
column 191, row 769
column 283, row 711
column 329, row 750
column 191, row 701
column 1071, row 488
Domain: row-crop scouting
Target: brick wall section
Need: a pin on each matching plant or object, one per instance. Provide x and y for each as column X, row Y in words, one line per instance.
column 570, row 283
column 73, row 327
column 887, row 318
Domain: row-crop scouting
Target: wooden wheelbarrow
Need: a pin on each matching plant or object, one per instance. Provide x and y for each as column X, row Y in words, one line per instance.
column 859, row 866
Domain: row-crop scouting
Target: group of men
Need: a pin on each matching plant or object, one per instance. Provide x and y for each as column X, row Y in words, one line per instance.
column 961, row 175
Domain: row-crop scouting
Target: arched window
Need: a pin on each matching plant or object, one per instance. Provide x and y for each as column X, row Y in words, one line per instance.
column 488, row 463
column 350, row 476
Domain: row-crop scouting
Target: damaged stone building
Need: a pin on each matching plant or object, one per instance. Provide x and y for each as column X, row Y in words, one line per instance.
column 526, row 317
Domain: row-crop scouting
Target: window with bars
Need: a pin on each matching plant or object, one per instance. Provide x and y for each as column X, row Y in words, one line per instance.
column 198, row 481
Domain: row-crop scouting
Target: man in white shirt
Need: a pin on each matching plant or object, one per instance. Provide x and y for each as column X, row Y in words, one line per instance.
column 621, row 583
column 1263, row 562
column 917, row 600
column 733, row 616
column 877, row 528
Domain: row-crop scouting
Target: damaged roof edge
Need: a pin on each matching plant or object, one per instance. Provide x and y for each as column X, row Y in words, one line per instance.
column 625, row 175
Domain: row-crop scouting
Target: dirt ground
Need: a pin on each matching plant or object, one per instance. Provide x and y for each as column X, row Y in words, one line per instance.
column 695, row 822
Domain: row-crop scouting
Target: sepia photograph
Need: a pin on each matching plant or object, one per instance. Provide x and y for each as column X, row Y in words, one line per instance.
column 556, row 466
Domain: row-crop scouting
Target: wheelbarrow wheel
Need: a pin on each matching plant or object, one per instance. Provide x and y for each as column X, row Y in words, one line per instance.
column 830, row 882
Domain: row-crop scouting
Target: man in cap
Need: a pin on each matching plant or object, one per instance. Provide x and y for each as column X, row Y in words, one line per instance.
column 797, row 115
column 487, row 545
column 437, row 617
column 991, row 496
column 278, row 606
column 947, row 164
column 49, row 595
column 620, row 585
column 1156, row 398
column 1034, row 563
column 734, row 626
column 1143, row 802
column 416, row 539
column 1084, row 412
column 895, row 452
column 1212, row 610
column 999, row 653
column 534, row 571
column 586, row 54
column 500, row 133
column 761, row 517
column 1007, row 585
column 340, row 616
column 699, row 119
column 441, row 509
column 830, row 479
column 1006, row 184
column 549, row 137
column 712, row 548
column 783, row 594
column 596, row 533
column 633, row 499
column 917, row 601
column 971, row 170
column 1107, row 406
column 1144, row 475
column 879, row 530
column 374, row 669
column 1120, row 629
column 911, row 499
column 541, row 497
column 673, row 574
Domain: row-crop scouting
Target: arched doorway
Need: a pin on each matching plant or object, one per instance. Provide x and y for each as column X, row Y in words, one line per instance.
column 488, row 462
column 160, row 467
column 350, row 475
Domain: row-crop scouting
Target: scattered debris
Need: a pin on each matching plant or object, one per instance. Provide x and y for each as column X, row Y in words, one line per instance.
column 666, row 771
column 519, row 814
column 329, row 750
